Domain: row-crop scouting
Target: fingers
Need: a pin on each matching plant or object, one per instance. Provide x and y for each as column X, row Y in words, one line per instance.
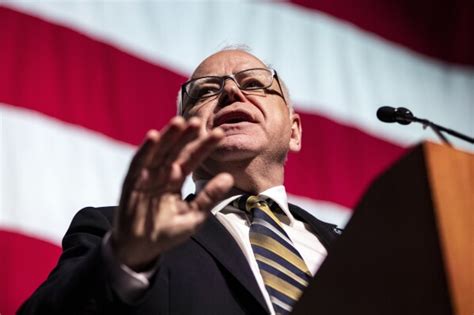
column 165, row 159
column 168, row 154
column 135, row 176
column 213, row 192
column 201, row 150
column 180, row 149
column 165, row 172
column 172, row 134
column 143, row 155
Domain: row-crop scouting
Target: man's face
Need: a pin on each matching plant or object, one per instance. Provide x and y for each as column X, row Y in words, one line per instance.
column 255, row 123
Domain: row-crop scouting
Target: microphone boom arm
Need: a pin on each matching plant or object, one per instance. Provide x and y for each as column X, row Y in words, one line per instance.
column 438, row 129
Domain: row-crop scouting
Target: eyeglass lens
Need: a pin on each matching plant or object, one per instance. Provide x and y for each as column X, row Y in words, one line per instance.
column 251, row 79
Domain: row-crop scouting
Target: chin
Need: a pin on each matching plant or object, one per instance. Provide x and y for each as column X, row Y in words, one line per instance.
column 231, row 150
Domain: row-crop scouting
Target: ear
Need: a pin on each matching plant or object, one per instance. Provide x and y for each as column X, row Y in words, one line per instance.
column 296, row 132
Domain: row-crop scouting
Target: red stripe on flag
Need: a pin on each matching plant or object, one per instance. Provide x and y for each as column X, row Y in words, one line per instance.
column 440, row 29
column 25, row 264
column 337, row 162
column 66, row 75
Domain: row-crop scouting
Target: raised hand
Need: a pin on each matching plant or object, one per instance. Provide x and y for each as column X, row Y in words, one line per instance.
column 152, row 217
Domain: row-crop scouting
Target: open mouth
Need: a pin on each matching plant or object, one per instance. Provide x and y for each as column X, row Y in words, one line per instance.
column 233, row 118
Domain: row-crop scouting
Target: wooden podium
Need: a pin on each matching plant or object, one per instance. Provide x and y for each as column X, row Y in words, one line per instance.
column 409, row 247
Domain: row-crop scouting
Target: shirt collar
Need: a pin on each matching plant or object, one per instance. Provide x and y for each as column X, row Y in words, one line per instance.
column 276, row 193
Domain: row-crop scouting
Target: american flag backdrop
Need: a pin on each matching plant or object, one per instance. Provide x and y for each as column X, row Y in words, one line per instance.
column 82, row 81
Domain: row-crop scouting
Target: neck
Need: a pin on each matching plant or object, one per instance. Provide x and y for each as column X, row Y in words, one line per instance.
column 252, row 176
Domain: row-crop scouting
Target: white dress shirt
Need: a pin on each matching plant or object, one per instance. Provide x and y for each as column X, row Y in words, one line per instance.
column 238, row 223
column 129, row 285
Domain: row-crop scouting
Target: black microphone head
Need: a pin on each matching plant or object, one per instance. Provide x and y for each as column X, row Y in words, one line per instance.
column 403, row 116
column 387, row 114
column 390, row 114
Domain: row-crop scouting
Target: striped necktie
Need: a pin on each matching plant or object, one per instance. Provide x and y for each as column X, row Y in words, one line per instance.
column 283, row 270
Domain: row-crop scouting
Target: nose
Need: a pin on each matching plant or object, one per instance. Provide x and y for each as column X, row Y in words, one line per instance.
column 230, row 93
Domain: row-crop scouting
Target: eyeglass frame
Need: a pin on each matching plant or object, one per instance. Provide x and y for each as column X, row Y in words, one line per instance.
column 225, row 78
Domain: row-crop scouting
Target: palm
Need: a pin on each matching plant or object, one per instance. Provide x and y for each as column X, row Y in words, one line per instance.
column 152, row 216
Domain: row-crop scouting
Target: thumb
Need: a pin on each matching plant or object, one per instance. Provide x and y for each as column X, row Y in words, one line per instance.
column 213, row 192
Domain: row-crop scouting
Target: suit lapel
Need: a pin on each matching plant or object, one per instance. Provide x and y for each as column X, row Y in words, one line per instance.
column 222, row 246
column 325, row 232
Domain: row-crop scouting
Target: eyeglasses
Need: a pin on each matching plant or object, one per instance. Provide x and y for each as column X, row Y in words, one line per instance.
column 255, row 79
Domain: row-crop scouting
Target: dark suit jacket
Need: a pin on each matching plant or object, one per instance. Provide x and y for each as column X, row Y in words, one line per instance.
column 208, row 274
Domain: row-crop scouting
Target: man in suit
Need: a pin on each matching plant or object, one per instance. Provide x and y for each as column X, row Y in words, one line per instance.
column 156, row 253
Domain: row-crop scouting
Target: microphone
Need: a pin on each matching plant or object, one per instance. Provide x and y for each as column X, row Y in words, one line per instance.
column 400, row 115
column 404, row 116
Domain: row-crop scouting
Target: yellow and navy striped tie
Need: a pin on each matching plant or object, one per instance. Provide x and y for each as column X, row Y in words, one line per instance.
column 283, row 270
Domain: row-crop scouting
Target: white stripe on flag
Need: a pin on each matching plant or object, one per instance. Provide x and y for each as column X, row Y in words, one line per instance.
column 52, row 170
